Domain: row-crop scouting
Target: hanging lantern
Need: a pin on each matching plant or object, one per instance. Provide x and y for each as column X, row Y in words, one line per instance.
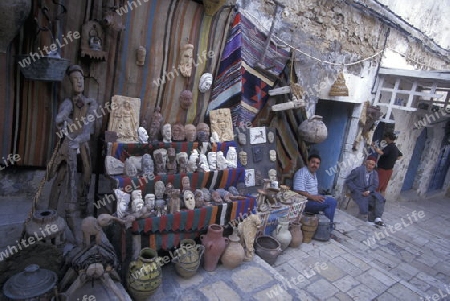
column 339, row 88
column 313, row 130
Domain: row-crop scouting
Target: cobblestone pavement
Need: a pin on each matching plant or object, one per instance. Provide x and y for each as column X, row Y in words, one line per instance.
column 409, row 259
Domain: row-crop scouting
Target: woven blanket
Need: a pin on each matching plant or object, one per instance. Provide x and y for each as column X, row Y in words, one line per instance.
column 241, row 83
column 122, row 151
column 166, row 231
column 218, row 178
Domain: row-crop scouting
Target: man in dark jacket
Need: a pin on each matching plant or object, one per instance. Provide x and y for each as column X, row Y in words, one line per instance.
column 389, row 155
column 363, row 182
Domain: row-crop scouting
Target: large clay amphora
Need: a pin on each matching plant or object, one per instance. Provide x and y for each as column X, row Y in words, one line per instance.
column 187, row 258
column 234, row 253
column 215, row 245
column 282, row 234
column 309, row 221
column 144, row 275
column 297, row 235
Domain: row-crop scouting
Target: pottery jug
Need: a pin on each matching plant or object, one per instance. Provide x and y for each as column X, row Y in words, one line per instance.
column 309, row 221
column 268, row 248
column 234, row 253
column 13, row 14
column 313, row 130
column 215, row 245
column 282, row 234
column 297, row 235
column 144, row 275
column 187, row 258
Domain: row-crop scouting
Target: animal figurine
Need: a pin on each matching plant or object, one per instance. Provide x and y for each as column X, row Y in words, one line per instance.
column 247, row 230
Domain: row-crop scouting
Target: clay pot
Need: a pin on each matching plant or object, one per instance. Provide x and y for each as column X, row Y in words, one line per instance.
column 13, row 14
column 282, row 234
column 187, row 258
column 234, row 253
column 268, row 248
column 309, row 222
column 144, row 275
column 215, row 245
column 297, row 235
column 313, row 130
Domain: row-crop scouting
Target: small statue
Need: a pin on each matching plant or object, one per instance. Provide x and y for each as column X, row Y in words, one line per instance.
column 192, row 163
column 189, row 200
column 242, row 138
column 247, row 230
column 148, row 167
column 205, row 82
column 206, row 195
column 150, row 200
column 171, row 165
column 130, row 168
column 140, row 55
column 186, row 183
column 215, row 195
column 167, row 133
column 174, row 201
column 160, row 161
column 221, row 161
column 168, row 189
column 199, row 199
column 178, row 133
column 155, row 125
column 191, row 132
column 203, row 132
column 123, row 200
column 232, row 157
column 159, row 189
column 273, row 175
column 137, row 203
column 182, row 160
column 243, row 158
column 212, row 160
column 142, row 133
column 114, row 166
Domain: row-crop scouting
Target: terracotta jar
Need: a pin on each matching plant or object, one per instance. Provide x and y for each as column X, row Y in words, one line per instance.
column 234, row 253
column 313, row 130
column 144, row 275
column 215, row 245
column 297, row 235
column 282, row 234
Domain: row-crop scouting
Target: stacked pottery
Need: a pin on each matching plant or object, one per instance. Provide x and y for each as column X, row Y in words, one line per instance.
column 309, row 226
column 144, row 275
column 234, row 253
column 282, row 234
column 215, row 245
column 297, row 235
column 187, row 258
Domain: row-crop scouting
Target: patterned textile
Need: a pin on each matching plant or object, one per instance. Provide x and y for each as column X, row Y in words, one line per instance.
column 241, row 82
column 165, row 232
column 218, row 178
column 122, row 151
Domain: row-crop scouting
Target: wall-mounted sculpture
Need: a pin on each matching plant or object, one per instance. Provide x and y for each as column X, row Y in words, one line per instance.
column 125, row 118
column 243, row 158
column 186, row 60
column 140, row 55
column 205, row 82
column 185, row 99
column 93, row 41
column 222, row 124
column 272, row 155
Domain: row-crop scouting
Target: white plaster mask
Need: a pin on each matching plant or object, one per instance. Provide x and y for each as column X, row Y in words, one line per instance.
column 205, row 82
column 142, row 133
column 189, row 200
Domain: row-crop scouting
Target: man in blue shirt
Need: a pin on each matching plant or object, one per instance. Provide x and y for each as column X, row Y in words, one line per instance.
column 305, row 183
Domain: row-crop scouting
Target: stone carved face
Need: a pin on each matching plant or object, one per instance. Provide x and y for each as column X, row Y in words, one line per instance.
column 273, row 155
column 178, row 133
column 243, row 157
column 137, row 202
column 186, row 60
column 186, row 183
column 270, row 136
column 191, row 132
column 205, row 82
column 185, row 99
column 203, row 132
column 167, row 132
column 189, row 200
column 199, row 199
column 159, row 189
column 242, row 138
column 142, row 133
column 273, row 175
column 150, row 200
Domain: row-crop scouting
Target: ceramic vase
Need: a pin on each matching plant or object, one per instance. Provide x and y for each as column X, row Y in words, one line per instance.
column 282, row 234
column 313, row 130
column 215, row 244
column 144, row 275
column 297, row 235
column 187, row 258
column 234, row 253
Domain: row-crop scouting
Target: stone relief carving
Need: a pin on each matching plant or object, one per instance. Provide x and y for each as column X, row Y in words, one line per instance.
column 221, row 161
column 257, row 135
column 186, row 60
column 257, row 154
column 125, row 118
column 222, row 124
column 205, row 82
column 113, row 166
column 243, row 158
column 232, row 157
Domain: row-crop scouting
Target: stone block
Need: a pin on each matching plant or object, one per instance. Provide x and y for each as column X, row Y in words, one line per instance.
column 219, row 291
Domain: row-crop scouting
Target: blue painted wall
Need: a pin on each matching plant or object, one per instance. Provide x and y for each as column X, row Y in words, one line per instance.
column 415, row 161
column 335, row 116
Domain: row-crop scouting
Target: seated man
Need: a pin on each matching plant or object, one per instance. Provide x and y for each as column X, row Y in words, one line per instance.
column 363, row 182
column 305, row 183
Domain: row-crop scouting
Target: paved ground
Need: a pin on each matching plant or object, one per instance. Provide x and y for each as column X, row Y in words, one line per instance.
column 407, row 260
